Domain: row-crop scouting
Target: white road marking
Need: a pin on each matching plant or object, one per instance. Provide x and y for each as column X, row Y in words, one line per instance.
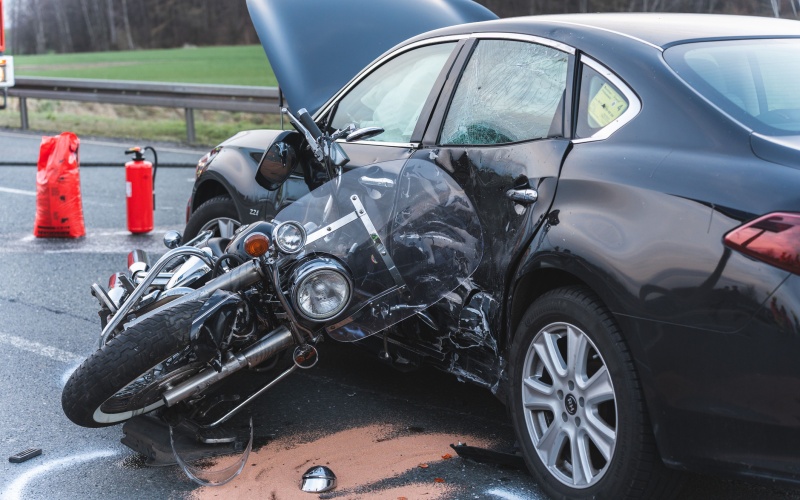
column 505, row 494
column 110, row 144
column 17, row 191
column 40, row 349
column 15, row 490
column 33, row 193
column 102, row 241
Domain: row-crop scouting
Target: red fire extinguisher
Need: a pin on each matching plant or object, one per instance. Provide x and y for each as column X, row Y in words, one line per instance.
column 140, row 177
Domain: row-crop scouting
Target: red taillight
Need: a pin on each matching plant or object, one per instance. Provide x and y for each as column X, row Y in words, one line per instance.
column 773, row 238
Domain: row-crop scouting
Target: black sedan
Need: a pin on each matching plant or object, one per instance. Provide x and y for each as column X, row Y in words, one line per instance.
column 637, row 178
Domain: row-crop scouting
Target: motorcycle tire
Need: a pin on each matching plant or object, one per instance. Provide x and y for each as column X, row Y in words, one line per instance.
column 577, row 406
column 218, row 214
column 126, row 376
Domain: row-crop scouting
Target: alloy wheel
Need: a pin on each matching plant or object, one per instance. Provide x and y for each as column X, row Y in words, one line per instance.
column 223, row 227
column 569, row 405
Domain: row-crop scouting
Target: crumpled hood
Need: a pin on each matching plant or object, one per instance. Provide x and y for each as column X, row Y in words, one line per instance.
column 316, row 46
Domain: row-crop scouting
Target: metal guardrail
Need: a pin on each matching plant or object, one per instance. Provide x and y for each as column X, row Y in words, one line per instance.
column 135, row 93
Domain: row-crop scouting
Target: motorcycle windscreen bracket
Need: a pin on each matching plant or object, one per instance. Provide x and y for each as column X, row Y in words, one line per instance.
column 361, row 214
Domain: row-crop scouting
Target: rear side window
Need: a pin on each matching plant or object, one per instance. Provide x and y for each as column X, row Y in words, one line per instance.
column 510, row 91
column 600, row 103
column 755, row 81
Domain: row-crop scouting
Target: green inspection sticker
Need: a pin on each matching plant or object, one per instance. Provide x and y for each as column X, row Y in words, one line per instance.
column 606, row 106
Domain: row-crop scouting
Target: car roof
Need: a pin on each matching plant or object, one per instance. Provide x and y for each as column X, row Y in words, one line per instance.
column 659, row 30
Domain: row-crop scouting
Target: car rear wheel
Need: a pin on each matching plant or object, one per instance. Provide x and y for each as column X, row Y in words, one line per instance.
column 217, row 214
column 577, row 406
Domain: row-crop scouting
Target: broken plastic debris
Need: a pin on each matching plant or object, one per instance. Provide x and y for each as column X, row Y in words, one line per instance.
column 212, row 477
column 483, row 455
column 447, row 456
column 24, row 456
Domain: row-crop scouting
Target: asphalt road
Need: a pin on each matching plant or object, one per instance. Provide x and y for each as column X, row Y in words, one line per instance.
column 48, row 324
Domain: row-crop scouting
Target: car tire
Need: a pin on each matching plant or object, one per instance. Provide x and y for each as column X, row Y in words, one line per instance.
column 575, row 392
column 218, row 214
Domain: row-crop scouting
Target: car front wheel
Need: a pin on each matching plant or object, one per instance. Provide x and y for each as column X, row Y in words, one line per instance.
column 217, row 214
column 577, row 406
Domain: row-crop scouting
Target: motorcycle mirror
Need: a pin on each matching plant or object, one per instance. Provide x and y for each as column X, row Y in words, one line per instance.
column 364, row 133
column 318, row 479
column 277, row 162
column 172, row 239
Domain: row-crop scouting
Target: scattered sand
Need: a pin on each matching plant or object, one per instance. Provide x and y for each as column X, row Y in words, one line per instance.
column 359, row 457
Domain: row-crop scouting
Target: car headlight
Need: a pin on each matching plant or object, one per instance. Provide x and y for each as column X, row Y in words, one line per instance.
column 290, row 237
column 321, row 289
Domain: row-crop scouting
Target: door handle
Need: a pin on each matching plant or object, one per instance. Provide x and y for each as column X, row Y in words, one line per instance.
column 524, row 196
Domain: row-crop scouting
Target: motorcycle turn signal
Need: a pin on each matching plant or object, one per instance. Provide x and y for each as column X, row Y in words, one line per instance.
column 256, row 244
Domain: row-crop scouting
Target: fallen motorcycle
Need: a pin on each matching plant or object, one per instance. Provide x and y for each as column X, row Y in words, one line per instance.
column 366, row 250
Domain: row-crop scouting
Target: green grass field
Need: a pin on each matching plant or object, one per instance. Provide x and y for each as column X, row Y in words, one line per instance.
column 239, row 65
column 235, row 65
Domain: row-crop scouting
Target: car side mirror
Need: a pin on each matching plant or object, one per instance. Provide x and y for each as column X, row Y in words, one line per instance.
column 277, row 163
column 364, row 133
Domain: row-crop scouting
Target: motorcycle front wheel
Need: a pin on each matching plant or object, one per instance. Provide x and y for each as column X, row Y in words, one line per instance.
column 127, row 376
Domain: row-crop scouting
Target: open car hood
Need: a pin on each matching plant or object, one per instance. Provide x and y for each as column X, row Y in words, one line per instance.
column 316, row 46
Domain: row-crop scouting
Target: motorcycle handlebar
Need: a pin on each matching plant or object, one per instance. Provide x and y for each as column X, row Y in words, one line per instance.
column 305, row 118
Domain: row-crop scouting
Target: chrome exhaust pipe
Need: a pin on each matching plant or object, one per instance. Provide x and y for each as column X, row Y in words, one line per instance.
column 274, row 342
column 138, row 262
column 119, row 286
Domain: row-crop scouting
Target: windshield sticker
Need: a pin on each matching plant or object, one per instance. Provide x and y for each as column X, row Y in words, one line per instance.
column 606, row 106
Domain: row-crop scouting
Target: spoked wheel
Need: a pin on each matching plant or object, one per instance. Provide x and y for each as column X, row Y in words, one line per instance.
column 127, row 376
column 218, row 215
column 576, row 403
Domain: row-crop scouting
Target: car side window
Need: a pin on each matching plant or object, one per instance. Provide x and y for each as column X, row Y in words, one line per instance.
column 393, row 95
column 599, row 104
column 510, row 91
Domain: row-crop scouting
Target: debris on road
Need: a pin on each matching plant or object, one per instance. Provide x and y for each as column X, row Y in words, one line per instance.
column 24, row 456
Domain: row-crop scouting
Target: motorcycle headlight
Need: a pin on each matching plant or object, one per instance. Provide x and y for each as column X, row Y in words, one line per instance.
column 321, row 289
column 290, row 237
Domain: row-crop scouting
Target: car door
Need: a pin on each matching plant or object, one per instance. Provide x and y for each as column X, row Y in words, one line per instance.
column 500, row 134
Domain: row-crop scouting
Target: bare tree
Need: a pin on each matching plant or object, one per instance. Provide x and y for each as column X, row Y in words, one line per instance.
column 41, row 38
column 65, row 32
column 112, row 26
column 92, row 25
column 127, row 24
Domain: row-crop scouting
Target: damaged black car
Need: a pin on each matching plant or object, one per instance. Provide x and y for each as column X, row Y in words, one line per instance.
column 634, row 178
